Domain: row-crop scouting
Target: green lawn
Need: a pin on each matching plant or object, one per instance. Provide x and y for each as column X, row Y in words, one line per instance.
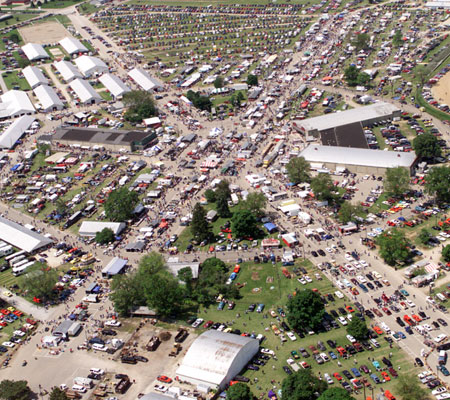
column 11, row 80
column 440, row 289
column 21, row 42
column 87, row 8
column 17, row 17
column 60, row 3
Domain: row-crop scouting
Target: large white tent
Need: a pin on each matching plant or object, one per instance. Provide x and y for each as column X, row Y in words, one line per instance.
column 88, row 65
column 73, row 46
column 48, row 98
column 85, row 92
column 114, row 85
column 14, row 132
column 67, row 70
column 144, row 80
column 15, row 103
column 34, row 76
column 34, row 51
column 91, row 228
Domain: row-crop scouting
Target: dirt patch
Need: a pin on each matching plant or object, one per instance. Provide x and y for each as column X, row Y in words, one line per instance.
column 256, row 290
column 269, row 279
column 441, row 91
column 43, row 33
column 255, row 276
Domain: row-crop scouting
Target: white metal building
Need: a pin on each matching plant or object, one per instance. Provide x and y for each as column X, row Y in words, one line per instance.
column 88, row 65
column 114, row 85
column 144, row 80
column 48, row 98
column 85, row 92
column 73, row 46
column 357, row 160
column 14, row 132
column 67, row 70
column 21, row 237
column 215, row 358
column 34, row 76
column 34, row 51
column 114, row 267
column 90, row 228
column 15, row 103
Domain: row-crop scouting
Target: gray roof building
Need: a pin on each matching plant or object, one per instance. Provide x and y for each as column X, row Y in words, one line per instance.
column 114, row 267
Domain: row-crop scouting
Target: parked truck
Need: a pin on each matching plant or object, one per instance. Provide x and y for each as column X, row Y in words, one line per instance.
column 153, row 343
column 181, row 335
column 175, row 350
column 123, row 385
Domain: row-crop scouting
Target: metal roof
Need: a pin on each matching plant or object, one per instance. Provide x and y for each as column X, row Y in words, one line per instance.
column 115, row 266
column 72, row 45
column 14, row 132
column 85, row 92
column 14, row 103
column 67, row 70
column 34, row 51
column 34, row 76
column 360, row 114
column 353, row 156
column 21, row 237
column 48, row 98
column 89, row 65
column 90, row 228
column 144, row 80
column 114, row 84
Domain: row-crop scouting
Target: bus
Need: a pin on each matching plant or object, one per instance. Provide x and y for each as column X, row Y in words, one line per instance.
column 12, row 256
column 73, row 219
column 5, row 250
column 266, row 149
column 20, row 263
column 20, row 270
column 17, row 260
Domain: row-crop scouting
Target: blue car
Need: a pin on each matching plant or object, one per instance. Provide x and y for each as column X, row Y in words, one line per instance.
column 332, row 355
column 233, row 276
column 401, row 334
column 376, row 364
column 363, row 287
column 260, row 308
column 444, row 370
column 356, row 372
column 221, row 306
column 375, row 378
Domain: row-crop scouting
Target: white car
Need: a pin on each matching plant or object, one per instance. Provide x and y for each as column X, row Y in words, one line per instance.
column 363, row 263
column 385, row 328
column 97, row 371
column 439, row 390
column 343, row 321
column 339, row 294
column 410, row 303
column 112, row 323
column 440, row 338
column 348, row 257
column 283, row 338
column 79, row 388
column 429, row 328
column 99, row 347
column 221, row 328
column 8, row 344
column 302, row 281
column 361, row 279
column 19, row 333
column 161, row 388
column 308, row 279
column 197, row 322
column 351, row 339
column 328, row 249
column 324, row 357
column 328, row 378
column 443, row 396
column 291, row 336
column 267, row 351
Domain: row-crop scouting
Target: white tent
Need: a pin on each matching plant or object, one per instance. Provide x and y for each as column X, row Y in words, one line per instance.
column 90, row 65
column 72, row 45
column 67, row 70
column 85, row 92
column 114, row 85
column 34, row 76
column 15, row 103
column 14, row 132
column 144, row 80
column 48, row 98
column 34, row 51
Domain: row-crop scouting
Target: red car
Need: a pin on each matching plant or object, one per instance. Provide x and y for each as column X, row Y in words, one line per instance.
column 337, row 376
column 350, row 309
column 385, row 376
column 163, row 378
column 387, row 311
column 208, row 324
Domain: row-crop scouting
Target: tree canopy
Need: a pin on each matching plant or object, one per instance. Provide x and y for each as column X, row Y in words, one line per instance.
column 298, row 170
column 394, row 247
column 223, row 194
column 348, row 212
column 324, row 189
column 305, row 308
column 361, row 41
column 218, row 82
column 210, row 196
column 14, row 390
column 244, row 224
column 438, row 182
column 446, row 253
column 140, row 105
column 396, row 181
column 409, row 388
column 357, row 329
column 255, row 203
column 120, row 204
column 335, row 393
column 41, row 283
column 302, row 385
column 106, row 235
column 252, row 80
column 424, row 236
column 200, row 227
column 239, row 391
column 199, row 101
column 397, row 39
column 427, row 146
column 58, row 394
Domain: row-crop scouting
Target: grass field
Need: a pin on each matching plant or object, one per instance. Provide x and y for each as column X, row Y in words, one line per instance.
column 17, row 17
column 60, row 3
column 265, row 283
column 11, row 80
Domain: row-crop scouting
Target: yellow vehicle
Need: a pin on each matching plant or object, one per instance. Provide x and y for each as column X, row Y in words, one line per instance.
column 75, row 260
column 74, row 269
column 275, row 330
column 7, row 293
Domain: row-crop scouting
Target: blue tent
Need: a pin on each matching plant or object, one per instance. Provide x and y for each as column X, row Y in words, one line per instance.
column 270, row 227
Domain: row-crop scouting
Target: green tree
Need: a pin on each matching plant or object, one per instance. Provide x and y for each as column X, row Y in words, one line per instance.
column 218, row 82
column 361, row 41
column 120, row 204
column 446, row 253
column 243, row 224
column 61, row 206
column 14, row 37
column 427, row 146
column 255, row 203
column 409, row 388
column 185, row 276
column 335, row 393
column 15, row 390
column 351, row 74
column 421, row 73
column 363, row 79
column 323, row 188
column 23, row 62
column 396, row 181
column 357, row 329
column 126, row 293
column 298, row 170
column 223, row 189
column 397, row 39
column 424, row 236
column 302, row 385
column 106, row 235
column 199, row 101
column 210, row 196
column 239, row 391
column 252, row 80
column 394, row 247
column 41, row 283
column 200, row 228
column 305, row 309
column 140, row 105
column 223, row 194
column 151, row 264
column 438, row 182
column 58, row 394
column 348, row 212
column 240, row 97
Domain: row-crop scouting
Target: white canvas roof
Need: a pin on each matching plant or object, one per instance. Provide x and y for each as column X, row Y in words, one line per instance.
column 34, row 76
column 89, row 65
column 90, row 228
column 15, row 103
column 84, row 91
column 67, row 70
column 114, row 84
column 15, row 131
column 21, row 237
column 354, row 156
column 48, row 98
column 72, row 45
column 34, row 51
column 144, row 80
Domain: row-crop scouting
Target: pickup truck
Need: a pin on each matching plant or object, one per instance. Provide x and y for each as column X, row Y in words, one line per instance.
column 181, row 335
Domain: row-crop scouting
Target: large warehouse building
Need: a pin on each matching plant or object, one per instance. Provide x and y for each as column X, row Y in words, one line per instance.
column 345, row 129
column 215, row 358
column 363, row 161
column 114, row 140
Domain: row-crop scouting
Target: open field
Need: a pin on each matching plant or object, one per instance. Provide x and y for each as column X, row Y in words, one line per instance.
column 12, row 81
column 44, row 33
column 60, row 3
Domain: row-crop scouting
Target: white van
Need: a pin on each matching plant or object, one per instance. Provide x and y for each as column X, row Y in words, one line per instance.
column 99, row 347
column 79, row 388
column 375, row 343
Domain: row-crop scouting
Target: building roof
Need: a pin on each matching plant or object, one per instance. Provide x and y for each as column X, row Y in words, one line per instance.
column 72, row 45
column 90, row 228
column 67, row 70
column 48, row 97
column 34, row 51
column 144, row 80
column 87, row 65
column 213, row 354
column 15, row 102
column 114, row 84
column 84, row 90
column 115, row 266
column 34, row 76
column 21, row 237
column 360, row 114
column 353, row 156
column 14, row 132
